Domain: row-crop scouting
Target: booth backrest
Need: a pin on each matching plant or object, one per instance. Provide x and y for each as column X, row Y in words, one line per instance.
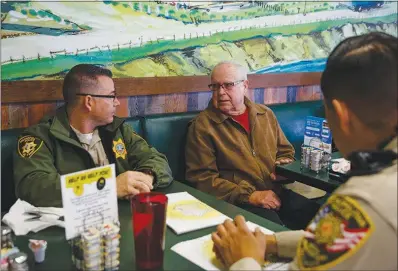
column 9, row 140
column 136, row 123
column 291, row 118
column 167, row 133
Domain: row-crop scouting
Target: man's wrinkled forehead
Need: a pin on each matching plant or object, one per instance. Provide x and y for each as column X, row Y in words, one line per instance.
column 225, row 72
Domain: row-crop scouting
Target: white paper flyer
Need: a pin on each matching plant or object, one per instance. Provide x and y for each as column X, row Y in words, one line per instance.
column 89, row 198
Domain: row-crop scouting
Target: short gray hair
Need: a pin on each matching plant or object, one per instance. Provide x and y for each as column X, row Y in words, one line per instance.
column 242, row 70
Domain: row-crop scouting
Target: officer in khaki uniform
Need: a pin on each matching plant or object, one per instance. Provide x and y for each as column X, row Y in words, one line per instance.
column 85, row 134
column 356, row 229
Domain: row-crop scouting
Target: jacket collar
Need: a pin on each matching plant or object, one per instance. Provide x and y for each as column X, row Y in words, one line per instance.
column 218, row 117
column 61, row 127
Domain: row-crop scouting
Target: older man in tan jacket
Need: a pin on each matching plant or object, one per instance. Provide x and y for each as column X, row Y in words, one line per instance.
column 232, row 149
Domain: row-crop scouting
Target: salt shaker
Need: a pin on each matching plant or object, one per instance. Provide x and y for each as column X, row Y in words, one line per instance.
column 6, row 237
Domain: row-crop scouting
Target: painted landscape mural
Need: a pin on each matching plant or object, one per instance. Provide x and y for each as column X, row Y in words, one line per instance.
column 44, row 39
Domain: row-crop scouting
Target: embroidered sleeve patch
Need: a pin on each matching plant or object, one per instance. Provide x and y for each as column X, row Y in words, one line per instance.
column 338, row 230
column 28, row 145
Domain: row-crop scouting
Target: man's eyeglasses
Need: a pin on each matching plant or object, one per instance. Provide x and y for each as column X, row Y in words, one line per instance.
column 226, row 85
column 98, row 95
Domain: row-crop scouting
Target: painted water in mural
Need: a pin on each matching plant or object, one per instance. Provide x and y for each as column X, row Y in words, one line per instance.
column 44, row 39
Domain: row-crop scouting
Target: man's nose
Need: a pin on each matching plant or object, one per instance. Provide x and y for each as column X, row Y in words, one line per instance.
column 116, row 101
column 221, row 89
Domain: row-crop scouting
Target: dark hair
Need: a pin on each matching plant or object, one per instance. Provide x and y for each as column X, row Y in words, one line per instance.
column 81, row 77
column 362, row 72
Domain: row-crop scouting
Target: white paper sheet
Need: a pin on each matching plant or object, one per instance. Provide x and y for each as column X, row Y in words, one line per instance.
column 186, row 213
column 200, row 252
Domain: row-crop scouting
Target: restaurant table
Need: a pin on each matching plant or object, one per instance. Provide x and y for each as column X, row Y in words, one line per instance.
column 58, row 253
column 321, row 180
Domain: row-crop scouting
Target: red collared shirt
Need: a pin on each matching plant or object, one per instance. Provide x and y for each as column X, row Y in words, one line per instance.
column 243, row 120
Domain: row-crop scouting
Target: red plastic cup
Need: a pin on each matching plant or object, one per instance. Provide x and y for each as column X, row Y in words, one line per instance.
column 149, row 225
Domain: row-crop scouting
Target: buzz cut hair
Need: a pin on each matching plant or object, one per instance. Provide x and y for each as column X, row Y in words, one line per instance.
column 362, row 72
column 81, row 78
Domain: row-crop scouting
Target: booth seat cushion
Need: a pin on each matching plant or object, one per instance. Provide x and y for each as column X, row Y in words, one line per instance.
column 291, row 118
column 167, row 133
column 8, row 146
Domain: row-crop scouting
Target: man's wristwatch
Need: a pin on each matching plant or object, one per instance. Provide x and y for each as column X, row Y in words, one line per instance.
column 148, row 172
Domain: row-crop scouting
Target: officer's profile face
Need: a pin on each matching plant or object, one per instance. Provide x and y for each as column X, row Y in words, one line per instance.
column 104, row 108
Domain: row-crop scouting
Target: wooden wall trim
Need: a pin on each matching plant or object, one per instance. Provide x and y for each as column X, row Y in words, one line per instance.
column 51, row 90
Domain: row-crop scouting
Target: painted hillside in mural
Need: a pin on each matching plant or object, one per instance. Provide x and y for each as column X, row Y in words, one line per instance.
column 44, row 39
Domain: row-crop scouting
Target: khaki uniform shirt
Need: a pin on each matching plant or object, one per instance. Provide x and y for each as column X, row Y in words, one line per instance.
column 223, row 160
column 93, row 144
column 355, row 230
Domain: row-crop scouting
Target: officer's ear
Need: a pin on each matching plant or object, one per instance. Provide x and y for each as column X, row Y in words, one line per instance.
column 343, row 115
column 88, row 102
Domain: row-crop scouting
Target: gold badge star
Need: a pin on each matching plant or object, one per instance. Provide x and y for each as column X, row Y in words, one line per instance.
column 119, row 149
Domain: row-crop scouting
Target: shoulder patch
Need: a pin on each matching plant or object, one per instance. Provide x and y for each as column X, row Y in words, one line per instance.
column 29, row 145
column 338, row 230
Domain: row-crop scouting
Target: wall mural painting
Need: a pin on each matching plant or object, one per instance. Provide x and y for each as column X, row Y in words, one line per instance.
column 44, row 39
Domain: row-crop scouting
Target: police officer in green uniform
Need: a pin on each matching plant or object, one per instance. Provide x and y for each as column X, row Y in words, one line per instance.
column 85, row 134
column 357, row 227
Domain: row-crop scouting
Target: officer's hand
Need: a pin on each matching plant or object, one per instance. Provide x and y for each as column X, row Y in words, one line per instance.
column 234, row 241
column 131, row 183
column 266, row 199
column 142, row 177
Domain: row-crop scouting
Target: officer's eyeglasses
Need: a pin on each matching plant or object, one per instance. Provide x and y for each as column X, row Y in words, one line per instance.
column 98, row 95
column 226, row 85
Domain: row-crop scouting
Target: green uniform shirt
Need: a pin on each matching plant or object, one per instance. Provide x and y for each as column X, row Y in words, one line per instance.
column 51, row 148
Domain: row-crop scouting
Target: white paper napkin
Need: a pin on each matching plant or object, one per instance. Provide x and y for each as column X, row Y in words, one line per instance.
column 16, row 217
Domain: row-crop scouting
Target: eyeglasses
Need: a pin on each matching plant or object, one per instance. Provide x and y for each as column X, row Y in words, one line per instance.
column 98, row 95
column 226, row 85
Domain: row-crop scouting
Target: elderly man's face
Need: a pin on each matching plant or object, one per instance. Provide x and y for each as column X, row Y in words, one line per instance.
column 229, row 96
